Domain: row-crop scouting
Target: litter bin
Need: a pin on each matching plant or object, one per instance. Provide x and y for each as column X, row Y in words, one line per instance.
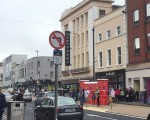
column 15, row 110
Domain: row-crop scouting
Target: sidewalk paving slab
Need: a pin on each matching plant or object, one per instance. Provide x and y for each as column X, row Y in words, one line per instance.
column 139, row 111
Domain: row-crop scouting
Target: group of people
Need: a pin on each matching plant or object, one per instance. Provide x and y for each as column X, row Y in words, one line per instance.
column 124, row 95
column 83, row 96
column 19, row 97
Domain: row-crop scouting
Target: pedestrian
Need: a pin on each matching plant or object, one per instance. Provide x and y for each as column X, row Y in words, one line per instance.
column 148, row 117
column 93, row 98
column 97, row 94
column 19, row 97
column 112, row 94
column 86, row 94
column 2, row 103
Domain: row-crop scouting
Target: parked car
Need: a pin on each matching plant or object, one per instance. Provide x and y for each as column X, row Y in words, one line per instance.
column 8, row 97
column 67, row 109
column 27, row 96
column 42, row 95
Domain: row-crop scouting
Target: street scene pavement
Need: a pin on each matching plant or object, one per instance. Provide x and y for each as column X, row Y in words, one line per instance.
column 118, row 112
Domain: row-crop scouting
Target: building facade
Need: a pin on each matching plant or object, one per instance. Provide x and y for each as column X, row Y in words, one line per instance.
column 111, row 48
column 1, row 74
column 8, row 68
column 41, row 70
column 138, row 69
column 79, row 21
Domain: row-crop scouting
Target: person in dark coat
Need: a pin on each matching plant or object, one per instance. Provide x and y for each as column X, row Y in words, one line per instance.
column 2, row 103
column 19, row 97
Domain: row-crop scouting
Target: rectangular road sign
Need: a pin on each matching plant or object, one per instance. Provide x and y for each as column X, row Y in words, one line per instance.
column 57, row 57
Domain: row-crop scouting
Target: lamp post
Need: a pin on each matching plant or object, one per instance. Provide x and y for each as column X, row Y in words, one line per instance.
column 36, row 86
column 93, row 55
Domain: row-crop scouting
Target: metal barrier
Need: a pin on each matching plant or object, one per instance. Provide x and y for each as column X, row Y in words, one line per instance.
column 16, row 110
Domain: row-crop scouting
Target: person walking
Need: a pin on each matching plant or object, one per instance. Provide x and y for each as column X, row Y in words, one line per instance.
column 93, row 98
column 2, row 103
column 112, row 94
column 97, row 93
column 86, row 94
column 19, row 97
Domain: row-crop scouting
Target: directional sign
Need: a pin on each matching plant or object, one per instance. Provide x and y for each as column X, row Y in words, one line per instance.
column 57, row 56
column 57, row 40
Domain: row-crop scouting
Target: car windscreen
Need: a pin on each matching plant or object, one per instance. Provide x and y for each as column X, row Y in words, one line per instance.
column 7, row 94
column 66, row 101
column 50, row 94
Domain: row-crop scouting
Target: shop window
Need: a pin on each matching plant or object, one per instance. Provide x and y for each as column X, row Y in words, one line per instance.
column 129, row 81
column 137, row 46
column 136, row 17
column 148, row 42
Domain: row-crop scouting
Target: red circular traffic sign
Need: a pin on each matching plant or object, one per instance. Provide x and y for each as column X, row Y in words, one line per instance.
column 57, row 39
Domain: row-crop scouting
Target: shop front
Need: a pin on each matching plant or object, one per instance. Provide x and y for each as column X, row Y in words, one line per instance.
column 116, row 78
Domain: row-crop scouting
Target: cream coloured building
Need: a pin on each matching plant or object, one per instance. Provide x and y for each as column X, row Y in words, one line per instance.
column 1, row 74
column 111, row 48
column 79, row 21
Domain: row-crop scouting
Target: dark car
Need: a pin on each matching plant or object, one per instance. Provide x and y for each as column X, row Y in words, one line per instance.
column 67, row 109
column 42, row 95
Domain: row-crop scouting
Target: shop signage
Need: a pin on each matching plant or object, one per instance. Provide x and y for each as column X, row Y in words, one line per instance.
column 67, row 48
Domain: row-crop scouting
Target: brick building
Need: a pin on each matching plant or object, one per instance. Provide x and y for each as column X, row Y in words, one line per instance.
column 138, row 32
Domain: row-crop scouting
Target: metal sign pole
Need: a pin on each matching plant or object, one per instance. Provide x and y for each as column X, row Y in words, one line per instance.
column 56, row 89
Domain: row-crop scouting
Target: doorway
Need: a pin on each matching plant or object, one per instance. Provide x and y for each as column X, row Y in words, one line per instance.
column 137, row 85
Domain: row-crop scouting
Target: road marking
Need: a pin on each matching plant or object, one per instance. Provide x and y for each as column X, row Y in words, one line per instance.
column 91, row 115
column 132, row 116
column 29, row 108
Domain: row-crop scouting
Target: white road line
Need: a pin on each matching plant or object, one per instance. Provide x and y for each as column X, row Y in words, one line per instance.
column 91, row 115
column 132, row 116
column 29, row 108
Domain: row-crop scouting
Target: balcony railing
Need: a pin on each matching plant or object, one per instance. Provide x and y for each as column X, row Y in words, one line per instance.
column 66, row 72
column 80, row 70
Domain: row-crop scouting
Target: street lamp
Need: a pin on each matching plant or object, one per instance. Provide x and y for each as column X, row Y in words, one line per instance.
column 93, row 55
column 36, row 86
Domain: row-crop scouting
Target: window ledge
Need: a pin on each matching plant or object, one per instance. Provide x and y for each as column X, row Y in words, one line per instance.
column 109, row 66
column 119, row 65
column 100, row 67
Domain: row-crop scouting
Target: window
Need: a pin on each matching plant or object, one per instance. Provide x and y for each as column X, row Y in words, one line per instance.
column 28, row 66
column 82, row 59
column 129, row 81
column 108, row 57
column 51, row 63
column 87, row 58
column 137, row 46
column 38, row 63
column 87, row 41
column 101, row 13
column 82, row 20
column 108, row 34
column 78, row 61
column 148, row 42
column 74, row 61
column 82, row 39
column 100, row 59
column 119, row 55
column 78, row 41
column 136, row 17
column 148, row 10
column 51, row 74
column 31, row 65
column 86, row 18
column 100, row 37
column 118, row 30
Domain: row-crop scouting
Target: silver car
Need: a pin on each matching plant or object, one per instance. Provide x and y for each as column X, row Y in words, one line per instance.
column 27, row 96
column 8, row 97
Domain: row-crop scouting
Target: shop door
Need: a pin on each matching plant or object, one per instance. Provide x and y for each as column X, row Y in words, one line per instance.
column 137, row 85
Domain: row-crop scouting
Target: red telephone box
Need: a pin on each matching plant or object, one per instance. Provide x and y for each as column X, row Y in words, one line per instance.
column 101, row 84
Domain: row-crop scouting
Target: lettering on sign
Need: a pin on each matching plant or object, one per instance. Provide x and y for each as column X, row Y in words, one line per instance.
column 67, row 48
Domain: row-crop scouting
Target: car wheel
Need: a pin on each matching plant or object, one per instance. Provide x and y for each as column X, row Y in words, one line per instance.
column 35, row 116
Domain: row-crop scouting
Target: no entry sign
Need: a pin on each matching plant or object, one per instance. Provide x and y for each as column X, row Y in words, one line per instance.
column 57, row 39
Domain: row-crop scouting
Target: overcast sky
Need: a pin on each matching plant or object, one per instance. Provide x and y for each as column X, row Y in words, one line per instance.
column 25, row 25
